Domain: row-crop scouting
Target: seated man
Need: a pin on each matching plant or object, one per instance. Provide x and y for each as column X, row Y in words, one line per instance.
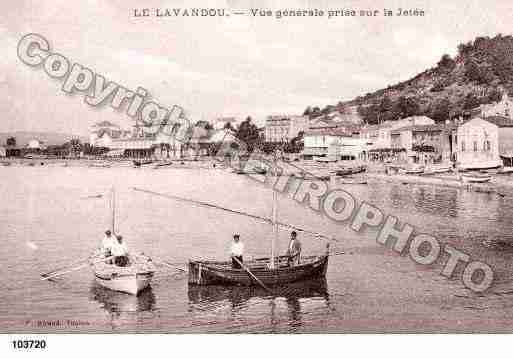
column 120, row 252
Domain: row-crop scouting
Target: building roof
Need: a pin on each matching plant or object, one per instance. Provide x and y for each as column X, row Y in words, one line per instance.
column 420, row 128
column 499, row 121
column 331, row 131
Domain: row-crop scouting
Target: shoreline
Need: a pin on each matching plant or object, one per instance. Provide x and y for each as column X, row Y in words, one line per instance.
column 501, row 184
column 497, row 185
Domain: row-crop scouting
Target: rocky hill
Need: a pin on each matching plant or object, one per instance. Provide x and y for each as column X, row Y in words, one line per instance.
column 480, row 73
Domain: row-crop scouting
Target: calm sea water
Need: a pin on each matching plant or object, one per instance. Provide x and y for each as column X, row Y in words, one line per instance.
column 48, row 218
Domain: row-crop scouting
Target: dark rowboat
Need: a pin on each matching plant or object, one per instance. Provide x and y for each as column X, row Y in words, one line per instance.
column 142, row 163
column 163, row 164
column 218, row 272
column 350, row 171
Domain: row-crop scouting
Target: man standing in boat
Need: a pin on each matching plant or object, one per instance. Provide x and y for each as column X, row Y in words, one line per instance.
column 120, row 252
column 294, row 250
column 107, row 243
column 237, row 252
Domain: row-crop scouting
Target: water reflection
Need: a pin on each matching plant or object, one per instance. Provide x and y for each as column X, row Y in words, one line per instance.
column 116, row 303
column 286, row 304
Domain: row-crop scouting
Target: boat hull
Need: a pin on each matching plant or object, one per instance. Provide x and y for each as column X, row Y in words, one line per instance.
column 131, row 279
column 131, row 284
column 472, row 179
column 211, row 272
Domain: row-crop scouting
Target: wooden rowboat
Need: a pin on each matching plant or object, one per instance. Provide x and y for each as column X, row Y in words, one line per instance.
column 163, row 164
column 271, row 271
column 138, row 164
column 131, row 279
column 219, row 272
column 475, row 177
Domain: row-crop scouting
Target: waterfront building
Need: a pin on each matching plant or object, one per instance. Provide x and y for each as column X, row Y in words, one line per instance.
column 384, row 139
column 283, row 128
column 424, row 143
column 484, row 142
column 348, row 148
column 325, row 138
column 158, row 140
column 101, row 134
column 502, row 108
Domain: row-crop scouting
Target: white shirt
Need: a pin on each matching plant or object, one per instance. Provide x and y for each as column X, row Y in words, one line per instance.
column 237, row 249
column 107, row 243
column 119, row 249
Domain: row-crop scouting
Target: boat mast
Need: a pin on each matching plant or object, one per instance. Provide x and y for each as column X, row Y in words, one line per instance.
column 275, row 228
column 113, row 207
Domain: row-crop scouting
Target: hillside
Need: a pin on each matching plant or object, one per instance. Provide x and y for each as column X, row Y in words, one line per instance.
column 49, row 138
column 479, row 74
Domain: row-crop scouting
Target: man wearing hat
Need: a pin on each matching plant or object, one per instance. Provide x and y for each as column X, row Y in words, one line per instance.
column 237, row 251
column 294, row 250
column 107, row 243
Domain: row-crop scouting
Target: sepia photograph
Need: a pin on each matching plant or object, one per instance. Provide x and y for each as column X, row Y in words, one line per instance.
column 255, row 167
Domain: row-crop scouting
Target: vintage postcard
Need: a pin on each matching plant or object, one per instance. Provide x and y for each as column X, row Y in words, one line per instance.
column 238, row 166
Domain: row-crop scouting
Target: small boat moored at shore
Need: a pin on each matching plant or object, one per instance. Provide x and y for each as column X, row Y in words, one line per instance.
column 475, row 177
column 163, row 164
column 412, row 170
column 138, row 164
column 100, row 165
column 350, row 171
column 434, row 169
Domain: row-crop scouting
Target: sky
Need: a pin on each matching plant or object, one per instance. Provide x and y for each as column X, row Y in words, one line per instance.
column 226, row 66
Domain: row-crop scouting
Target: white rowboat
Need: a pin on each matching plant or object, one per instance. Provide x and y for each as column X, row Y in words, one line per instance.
column 475, row 178
column 131, row 279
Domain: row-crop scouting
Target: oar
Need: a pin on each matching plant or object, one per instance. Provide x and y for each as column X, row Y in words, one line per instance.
column 210, row 205
column 170, row 266
column 77, row 268
column 62, row 268
column 164, row 263
column 252, row 275
column 336, row 254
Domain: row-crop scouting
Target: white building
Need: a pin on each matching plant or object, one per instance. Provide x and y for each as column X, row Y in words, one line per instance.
column 502, row 108
column 3, row 152
column 35, row 145
column 384, row 130
column 348, row 148
column 484, row 142
column 283, row 128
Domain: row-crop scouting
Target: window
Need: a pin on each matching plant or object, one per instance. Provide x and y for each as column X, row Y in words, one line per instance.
column 475, row 146
column 487, row 146
column 462, row 146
